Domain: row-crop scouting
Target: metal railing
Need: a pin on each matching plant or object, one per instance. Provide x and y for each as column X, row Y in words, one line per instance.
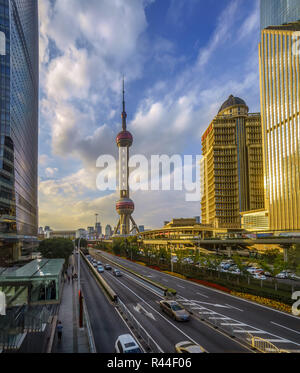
column 139, row 331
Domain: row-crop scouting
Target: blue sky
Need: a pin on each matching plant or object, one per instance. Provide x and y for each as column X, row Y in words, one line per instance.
column 181, row 58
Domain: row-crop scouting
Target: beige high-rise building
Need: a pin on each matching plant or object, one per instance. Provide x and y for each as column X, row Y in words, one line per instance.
column 232, row 165
column 279, row 56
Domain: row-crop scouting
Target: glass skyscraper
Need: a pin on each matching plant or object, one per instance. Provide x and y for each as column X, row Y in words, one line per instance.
column 19, row 79
column 278, row 12
column 279, row 60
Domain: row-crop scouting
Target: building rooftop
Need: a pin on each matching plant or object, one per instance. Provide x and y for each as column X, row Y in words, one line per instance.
column 232, row 101
column 36, row 268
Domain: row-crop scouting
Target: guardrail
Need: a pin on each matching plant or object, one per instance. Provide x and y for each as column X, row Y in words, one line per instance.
column 113, row 296
column 139, row 331
column 264, row 346
column 89, row 328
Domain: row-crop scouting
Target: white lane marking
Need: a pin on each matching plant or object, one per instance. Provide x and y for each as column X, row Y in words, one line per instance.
column 210, row 304
column 207, row 313
column 250, row 326
column 202, row 295
column 181, row 286
column 235, row 324
column 272, row 322
column 219, row 318
column 278, row 340
column 250, row 331
column 139, row 308
column 229, row 305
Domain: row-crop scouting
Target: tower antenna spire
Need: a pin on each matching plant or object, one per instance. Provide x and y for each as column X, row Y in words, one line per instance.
column 124, row 115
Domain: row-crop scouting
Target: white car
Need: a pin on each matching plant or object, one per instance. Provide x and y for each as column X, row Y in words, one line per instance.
column 259, row 277
column 127, row 344
column 281, row 275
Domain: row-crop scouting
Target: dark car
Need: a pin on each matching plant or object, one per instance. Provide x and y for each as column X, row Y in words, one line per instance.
column 117, row 273
column 107, row 266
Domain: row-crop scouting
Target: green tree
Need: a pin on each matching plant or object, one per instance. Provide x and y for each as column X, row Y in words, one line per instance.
column 55, row 248
column 294, row 258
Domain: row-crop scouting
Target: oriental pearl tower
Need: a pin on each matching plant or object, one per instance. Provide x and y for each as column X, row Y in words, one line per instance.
column 125, row 205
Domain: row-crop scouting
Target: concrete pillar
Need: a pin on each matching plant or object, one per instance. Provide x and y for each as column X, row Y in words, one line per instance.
column 229, row 251
column 285, row 254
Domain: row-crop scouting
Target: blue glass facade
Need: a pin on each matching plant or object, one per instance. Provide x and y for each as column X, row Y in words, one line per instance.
column 18, row 126
column 278, row 12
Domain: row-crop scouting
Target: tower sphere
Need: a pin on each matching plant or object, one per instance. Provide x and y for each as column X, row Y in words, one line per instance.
column 125, row 206
column 124, row 138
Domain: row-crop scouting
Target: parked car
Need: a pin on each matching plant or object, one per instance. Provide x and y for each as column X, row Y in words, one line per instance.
column 259, row 277
column 188, row 347
column 175, row 310
column 117, row 273
column 281, row 275
column 127, row 344
column 100, row 269
column 107, row 266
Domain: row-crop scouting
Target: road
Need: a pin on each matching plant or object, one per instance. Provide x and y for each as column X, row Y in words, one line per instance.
column 281, row 329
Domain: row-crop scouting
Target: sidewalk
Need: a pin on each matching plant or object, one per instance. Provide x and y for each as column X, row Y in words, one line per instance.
column 73, row 339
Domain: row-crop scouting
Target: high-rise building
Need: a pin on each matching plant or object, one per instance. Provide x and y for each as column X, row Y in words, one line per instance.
column 232, row 165
column 278, row 12
column 279, row 60
column 19, row 79
column 141, row 228
column 108, row 231
column 98, row 229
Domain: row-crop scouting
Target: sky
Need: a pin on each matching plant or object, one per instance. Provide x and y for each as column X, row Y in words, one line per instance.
column 181, row 60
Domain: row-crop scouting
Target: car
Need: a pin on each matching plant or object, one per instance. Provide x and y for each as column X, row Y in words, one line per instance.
column 188, row 347
column 100, row 269
column 107, row 266
column 99, row 263
column 117, row 273
column 175, row 310
column 95, row 264
column 281, row 275
column 125, row 343
column 259, row 277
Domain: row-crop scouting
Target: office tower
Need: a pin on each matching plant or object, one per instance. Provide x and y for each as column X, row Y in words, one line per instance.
column 125, row 205
column 141, row 228
column 108, row 231
column 98, row 229
column 232, row 165
column 280, row 105
column 19, row 79
column 278, row 12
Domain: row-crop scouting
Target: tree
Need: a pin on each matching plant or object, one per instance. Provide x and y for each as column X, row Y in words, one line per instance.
column 55, row 248
column 294, row 258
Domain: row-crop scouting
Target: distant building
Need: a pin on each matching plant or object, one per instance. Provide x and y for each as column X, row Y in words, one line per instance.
column 141, row 228
column 47, row 228
column 278, row 12
column 70, row 234
column 41, row 230
column 197, row 219
column 81, row 233
column 108, row 231
column 232, row 165
column 98, row 229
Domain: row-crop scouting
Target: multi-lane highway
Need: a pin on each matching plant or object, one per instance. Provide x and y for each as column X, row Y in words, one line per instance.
column 242, row 316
